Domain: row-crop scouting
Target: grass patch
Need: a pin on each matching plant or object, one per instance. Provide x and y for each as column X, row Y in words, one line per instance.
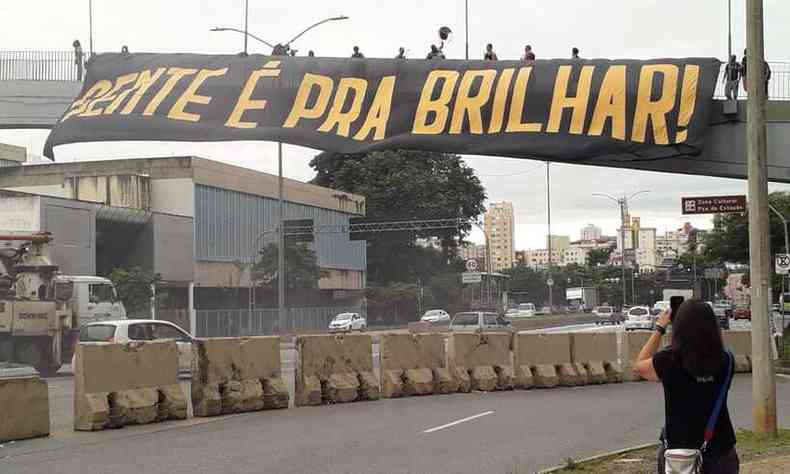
column 751, row 447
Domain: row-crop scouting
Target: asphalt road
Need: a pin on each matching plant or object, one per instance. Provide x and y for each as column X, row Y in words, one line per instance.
column 503, row 432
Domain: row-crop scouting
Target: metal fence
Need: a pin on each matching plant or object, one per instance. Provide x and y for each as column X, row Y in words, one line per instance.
column 261, row 322
column 39, row 66
column 778, row 86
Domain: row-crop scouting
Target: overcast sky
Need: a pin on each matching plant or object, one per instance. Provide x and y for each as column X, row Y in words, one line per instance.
column 601, row 29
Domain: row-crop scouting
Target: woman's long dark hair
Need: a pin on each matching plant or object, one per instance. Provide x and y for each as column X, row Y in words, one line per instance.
column 696, row 338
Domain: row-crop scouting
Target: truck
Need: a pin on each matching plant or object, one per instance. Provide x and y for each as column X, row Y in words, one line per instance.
column 42, row 310
column 585, row 298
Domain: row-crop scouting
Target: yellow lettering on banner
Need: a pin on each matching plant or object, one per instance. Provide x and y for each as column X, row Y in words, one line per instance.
column 514, row 123
column 79, row 106
column 336, row 116
column 438, row 106
column 610, row 104
column 190, row 95
column 688, row 101
column 144, row 82
column 246, row 102
column 121, row 81
column 500, row 100
column 325, row 84
column 176, row 74
column 379, row 112
column 655, row 111
column 577, row 103
column 466, row 105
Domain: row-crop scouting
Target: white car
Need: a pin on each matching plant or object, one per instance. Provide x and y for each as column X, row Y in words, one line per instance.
column 130, row 330
column 660, row 306
column 525, row 310
column 639, row 317
column 435, row 316
column 347, row 322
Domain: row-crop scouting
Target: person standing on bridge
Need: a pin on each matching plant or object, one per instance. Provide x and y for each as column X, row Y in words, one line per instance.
column 78, row 58
column 490, row 55
column 732, row 78
column 696, row 372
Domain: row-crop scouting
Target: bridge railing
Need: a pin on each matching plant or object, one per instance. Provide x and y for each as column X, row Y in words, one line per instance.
column 62, row 66
column 39, row 66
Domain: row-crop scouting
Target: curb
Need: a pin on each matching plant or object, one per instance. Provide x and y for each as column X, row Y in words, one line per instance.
column 600, row 456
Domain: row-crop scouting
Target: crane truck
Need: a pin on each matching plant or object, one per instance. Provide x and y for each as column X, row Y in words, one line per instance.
column 41, row 310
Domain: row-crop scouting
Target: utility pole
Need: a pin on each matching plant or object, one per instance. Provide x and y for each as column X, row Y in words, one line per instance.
column 466, row 20
column 549, row 282
column 246, row 23
column 729, row 29
column 281, row 242
column 90, row 27
column 763, row 378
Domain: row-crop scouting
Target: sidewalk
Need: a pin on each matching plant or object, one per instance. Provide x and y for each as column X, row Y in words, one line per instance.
column 768, row 466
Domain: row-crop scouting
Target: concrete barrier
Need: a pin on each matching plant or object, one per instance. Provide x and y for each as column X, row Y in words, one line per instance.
column 481, row 361
column 544, row 360
column 25, row 408
column 421, row 327
column 596, row 354
column 414, row 364
column 237, row 374
column 740, row 344
column 125, row 384
column 632, row 345
column 335, row 369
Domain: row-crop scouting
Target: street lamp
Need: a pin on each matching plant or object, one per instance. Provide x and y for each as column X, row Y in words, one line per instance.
column 488, row 264
column 623, row 203
column 278, row 46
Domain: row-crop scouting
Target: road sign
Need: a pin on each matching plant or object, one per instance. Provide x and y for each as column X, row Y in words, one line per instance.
column 782, row 264
column 713, row 204
column 471, row 277
column 550, row 282
column 471, row 265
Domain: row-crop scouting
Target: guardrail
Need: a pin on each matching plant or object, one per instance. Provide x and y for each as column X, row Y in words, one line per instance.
column 62, row 66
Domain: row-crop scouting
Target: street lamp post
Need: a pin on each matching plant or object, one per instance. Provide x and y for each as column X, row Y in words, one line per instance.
column 466, row 22
column 623, row 204
column 288, row 44
column 787, row 251
column 488, row 265
column 548, row 238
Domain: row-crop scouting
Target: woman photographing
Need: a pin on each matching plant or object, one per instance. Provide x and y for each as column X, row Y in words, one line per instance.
column 696, row 373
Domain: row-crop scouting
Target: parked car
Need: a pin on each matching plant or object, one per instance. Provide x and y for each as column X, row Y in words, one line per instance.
column 743, row 313
column 130, row 330
column 607, row 315
column 479, row 321
column 347, row 322
column 526, row 310
column 435, row 316
column 639, row 317
column 659, row 307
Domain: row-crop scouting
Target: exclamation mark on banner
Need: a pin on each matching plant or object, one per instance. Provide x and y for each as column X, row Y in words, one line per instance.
column 688, row 101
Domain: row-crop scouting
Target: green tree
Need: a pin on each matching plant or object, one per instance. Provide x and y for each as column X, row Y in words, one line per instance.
column 405, row 185
column 134, row 288
column 599, row 256
column 301, row 266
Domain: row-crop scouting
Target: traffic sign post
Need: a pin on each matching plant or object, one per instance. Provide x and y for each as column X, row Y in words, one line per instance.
column 782, row 264
column 472, row 265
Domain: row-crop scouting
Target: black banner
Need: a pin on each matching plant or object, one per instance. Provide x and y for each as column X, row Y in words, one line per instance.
column 562, row 110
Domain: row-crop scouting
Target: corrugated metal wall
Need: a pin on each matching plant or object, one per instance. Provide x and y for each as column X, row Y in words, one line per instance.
column 228, row 222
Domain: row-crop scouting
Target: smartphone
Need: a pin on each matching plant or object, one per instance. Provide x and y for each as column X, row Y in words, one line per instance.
column 674, row 304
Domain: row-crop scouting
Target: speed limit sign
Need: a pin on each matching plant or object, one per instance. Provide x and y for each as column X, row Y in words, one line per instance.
column 782, row 264
column 471, row 265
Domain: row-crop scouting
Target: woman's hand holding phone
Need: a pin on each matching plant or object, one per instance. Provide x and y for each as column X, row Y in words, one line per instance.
column 664, row 318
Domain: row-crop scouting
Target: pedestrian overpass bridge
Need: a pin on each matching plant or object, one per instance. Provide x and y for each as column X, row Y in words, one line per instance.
column 36, row 88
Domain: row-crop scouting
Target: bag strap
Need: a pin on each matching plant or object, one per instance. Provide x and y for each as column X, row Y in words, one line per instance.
column 719, row 402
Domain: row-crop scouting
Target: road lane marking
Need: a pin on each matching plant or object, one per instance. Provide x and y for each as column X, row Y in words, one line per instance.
column 458, row 422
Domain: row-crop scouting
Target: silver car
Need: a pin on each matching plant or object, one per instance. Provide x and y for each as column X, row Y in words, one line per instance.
column 639, row 317
column 479, row 321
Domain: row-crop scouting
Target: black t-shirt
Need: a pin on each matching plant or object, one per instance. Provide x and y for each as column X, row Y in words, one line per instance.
column 689, row 402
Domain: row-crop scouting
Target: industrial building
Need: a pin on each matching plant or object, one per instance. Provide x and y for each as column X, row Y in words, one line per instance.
column 196, row 222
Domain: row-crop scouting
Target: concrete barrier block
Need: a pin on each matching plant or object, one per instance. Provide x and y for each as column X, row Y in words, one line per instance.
column 242, row 396
column 632, row 345
column 505, row 377
column 418, row 381
column 523, row 377
column 738, row 342
column 593, row 346
column 206, row 400
column 24, row 408
column 308, row 391
column 542, row 349
column 368, row 386
column 473, row 350
column 596, row 373
column 742, row 363
column 138, row 406
column 568, row 376
column 275, row 393
column 92, row 412
column 443, row 381
column 581, row 371
column 462, row 379
column 484, row 378
column 391, row 383
column 336, row 362
column 172, row 403
column 614, row 372
column 545, row 376
column 342, row 388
